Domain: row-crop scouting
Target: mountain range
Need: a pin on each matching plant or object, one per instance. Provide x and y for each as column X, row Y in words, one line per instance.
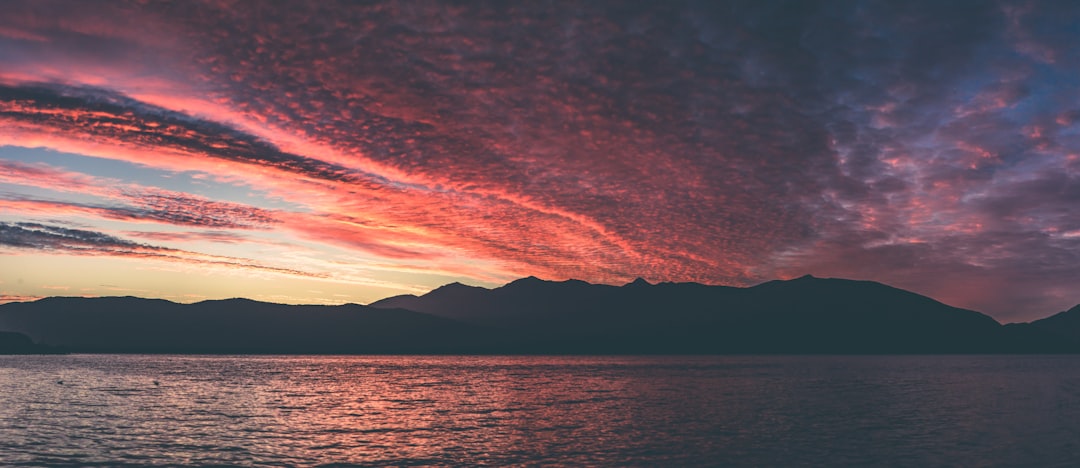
column 135, row 325
column 803, row 315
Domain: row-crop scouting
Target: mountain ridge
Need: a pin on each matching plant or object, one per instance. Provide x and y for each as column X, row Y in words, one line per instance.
column 805, row 314
column 531, row 315
column 131, row 324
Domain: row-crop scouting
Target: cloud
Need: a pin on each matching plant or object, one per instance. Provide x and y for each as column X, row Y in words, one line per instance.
column 722, row 143
column 129, row 201
column 105, row 115
column 223, row 237
column 67, row 241
column 6, row 298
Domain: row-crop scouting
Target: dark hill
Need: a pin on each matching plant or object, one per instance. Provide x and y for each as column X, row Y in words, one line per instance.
column 1065, row 323
column 128, row 324
column 1064, row 326
column 18, row 343
column 803, row 315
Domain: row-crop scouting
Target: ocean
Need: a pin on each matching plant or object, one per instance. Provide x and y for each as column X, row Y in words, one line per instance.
column 138, row 410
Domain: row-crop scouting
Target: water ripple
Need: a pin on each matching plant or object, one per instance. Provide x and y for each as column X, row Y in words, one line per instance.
column 109, row 410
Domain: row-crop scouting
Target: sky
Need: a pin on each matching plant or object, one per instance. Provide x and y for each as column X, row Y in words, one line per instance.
column 326, row 152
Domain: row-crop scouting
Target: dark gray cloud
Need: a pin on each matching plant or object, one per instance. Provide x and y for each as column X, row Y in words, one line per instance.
column 100, row 113
column 62, row 240
column 43, row 237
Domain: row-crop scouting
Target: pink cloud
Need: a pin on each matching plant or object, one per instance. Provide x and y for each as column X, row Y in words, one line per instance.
column 570, row 142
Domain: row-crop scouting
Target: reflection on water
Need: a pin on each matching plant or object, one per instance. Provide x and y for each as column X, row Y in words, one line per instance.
column 670, row 411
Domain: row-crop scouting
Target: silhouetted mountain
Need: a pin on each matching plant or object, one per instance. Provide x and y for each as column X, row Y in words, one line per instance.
column 803, row 315
column 128, row 324
column 1062, row 328
column 1065, row 324
column 18, row 343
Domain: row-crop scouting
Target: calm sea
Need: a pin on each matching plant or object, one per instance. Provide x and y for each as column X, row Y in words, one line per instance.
column 116, row 410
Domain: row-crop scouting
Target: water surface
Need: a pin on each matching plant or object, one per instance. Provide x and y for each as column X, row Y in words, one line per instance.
column 666, row 411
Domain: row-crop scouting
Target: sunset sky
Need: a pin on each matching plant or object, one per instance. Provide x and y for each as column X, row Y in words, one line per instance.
column 322, row 152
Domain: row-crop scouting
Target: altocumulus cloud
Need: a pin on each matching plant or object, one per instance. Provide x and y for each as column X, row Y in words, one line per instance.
column 931, row 145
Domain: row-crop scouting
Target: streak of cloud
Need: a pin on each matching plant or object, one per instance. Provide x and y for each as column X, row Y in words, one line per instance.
column 61, row 240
